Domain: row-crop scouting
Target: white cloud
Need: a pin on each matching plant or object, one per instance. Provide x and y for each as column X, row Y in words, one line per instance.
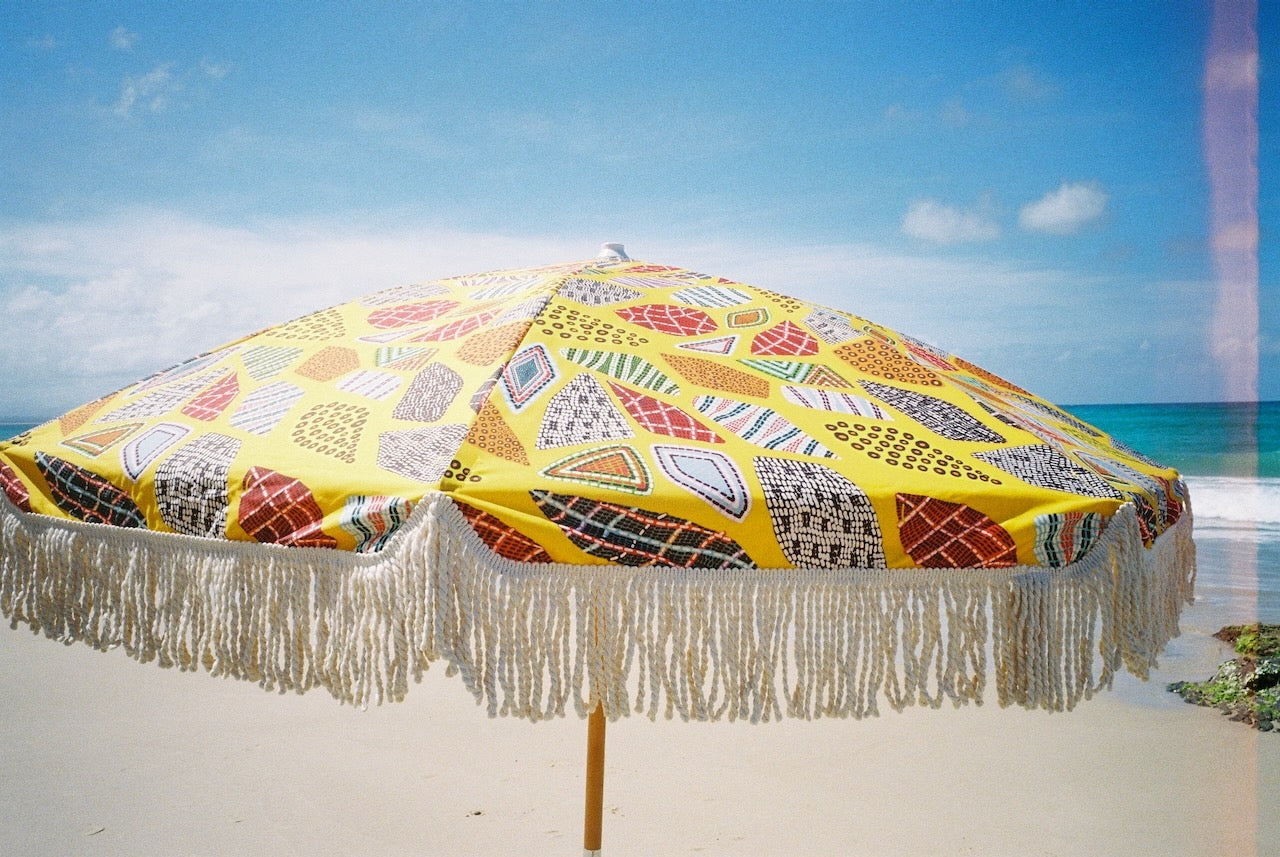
column 1066, row 210
column 216, row 70
column 122, row 39
column 150, row 91
column 44, row 43
column 102, row 303
column 945, row 224
column 1025, row 83
column 105, row 301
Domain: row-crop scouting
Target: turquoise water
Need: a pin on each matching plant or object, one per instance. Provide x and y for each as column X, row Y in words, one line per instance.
column 1212, row 439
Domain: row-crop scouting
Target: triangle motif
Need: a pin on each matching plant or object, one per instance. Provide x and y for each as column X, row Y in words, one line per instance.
column 95, row 443
column 619, row 467
column 716, row 345
column 825, row 376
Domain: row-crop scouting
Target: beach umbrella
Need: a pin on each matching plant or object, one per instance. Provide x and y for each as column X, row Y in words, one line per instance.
column 605, row 487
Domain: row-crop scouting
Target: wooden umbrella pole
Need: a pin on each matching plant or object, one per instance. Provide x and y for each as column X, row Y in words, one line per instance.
column 593, row 820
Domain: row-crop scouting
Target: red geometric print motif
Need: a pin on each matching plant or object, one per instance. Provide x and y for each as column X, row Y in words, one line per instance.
column 14, row 489
column 785, row 338
column 666, row 318
column 214, row 400
column 661, row 418
column 938, row 534
column 502, row 539
column 455, row 329
column 407, row 314
column 278, row 509
column 932, row 360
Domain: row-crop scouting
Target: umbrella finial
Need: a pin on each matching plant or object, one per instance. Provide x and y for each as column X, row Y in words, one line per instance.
column 613, row 251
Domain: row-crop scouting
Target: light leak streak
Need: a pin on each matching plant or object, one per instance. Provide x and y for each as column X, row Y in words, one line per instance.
column 1231, row 156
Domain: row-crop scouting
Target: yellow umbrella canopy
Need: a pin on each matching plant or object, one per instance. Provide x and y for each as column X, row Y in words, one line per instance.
column 605, row 482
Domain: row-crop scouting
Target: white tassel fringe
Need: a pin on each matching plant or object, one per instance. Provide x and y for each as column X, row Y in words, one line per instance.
column 533, row 641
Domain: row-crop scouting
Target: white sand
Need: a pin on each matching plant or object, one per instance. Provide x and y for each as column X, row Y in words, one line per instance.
column 103, row 756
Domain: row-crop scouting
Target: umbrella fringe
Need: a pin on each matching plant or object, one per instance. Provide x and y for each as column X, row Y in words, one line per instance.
column 762, row 644
column 534, row 640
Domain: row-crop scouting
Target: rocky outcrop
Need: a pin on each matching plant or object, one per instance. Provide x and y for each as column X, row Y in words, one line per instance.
column 1247, row 687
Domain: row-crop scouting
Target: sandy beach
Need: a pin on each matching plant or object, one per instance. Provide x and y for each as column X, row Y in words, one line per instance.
column 103, row 756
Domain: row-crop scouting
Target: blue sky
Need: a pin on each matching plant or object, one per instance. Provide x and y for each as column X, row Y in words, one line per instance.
column 1022, row 183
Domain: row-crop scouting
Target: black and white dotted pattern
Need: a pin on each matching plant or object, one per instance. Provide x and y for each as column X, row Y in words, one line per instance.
column 942, row 418
column 429, row 395
column 596, row 293
column 581, row 413
column 821, row 519
column 421, row 454
column 1046, row 467
column 191, row 486
column 831, row 327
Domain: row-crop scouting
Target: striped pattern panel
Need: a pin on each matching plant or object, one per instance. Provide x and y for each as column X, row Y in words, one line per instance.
column 625, row 367
column 832, row 400
column 711, row 296
column 404, row 294
column 1062, row 539
column 264, row 408
column 371, row 384
column 372, row 519
column 267, row 361
column 760, row 425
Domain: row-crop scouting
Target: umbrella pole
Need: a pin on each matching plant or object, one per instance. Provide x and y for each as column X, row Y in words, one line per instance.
column 593, row 817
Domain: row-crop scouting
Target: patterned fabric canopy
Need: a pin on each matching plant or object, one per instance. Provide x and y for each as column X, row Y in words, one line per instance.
column 605, row 415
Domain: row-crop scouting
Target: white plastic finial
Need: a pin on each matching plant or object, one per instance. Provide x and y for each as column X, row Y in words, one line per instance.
column 613, row 251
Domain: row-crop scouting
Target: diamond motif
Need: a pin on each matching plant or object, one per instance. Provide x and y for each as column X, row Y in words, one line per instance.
column 747, row 317
column 529, row 371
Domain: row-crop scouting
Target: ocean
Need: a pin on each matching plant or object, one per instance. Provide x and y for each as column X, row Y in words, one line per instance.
column 1229, row 455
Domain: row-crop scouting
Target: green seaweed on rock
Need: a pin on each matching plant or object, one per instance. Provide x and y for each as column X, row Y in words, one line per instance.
column 1246, row 688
